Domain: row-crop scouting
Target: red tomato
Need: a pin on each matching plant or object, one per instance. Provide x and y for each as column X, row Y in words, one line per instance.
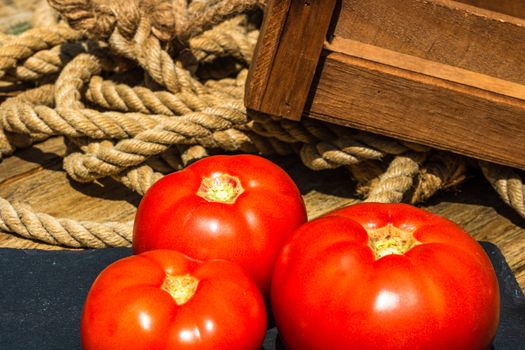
column 165, row 300
column 241, row 208
column 384, row 276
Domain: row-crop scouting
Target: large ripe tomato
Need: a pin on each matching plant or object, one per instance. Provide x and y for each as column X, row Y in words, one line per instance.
column 162, row 300
column 241, row 208
column 384, row 276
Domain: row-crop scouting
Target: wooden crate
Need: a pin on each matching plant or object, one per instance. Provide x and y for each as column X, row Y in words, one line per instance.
column 442, row 73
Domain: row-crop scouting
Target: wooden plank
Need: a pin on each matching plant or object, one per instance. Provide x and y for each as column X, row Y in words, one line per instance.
column 443, row 31
column 432, row 69
column 514, row 8
column 275, row 16
column 287, row 53
column 386, row 99
column 28, row 161
column 34, row 176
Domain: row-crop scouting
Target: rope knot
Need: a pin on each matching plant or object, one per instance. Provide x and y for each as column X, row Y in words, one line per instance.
column 100, row 19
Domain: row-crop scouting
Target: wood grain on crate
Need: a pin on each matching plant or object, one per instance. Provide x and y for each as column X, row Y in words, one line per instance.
column 386, row 99
column 34, row 176
column 441, row 31
column 280, row 78
column 437, row 72
column 514, row 8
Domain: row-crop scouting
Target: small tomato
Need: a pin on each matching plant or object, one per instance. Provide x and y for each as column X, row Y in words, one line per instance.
column 240, row 208
column 384, row 276
column 165, row 300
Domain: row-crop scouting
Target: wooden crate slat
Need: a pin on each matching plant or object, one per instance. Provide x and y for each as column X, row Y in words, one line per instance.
column 430, row 68
column 288, row 50
column 514, row 8
column 405, row 104
column 275, row 15
column 444, row 31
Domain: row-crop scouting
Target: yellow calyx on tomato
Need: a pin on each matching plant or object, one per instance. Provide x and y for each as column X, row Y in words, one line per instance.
column 389, row 240
column 181, row 288
column 223, row 188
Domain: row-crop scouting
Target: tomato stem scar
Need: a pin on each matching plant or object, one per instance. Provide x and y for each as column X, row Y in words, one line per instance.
column 181, row 288
column 223, row 188
column 389, row 239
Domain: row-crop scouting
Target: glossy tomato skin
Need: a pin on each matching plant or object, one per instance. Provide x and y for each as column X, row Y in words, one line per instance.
column 127, row 309
column 330, row 292
column 249, row 232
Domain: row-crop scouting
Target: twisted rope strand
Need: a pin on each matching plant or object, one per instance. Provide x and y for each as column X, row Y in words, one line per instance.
column 43, row 15
column 169, row 19
column 507, row 183
column 47, row 62
column 146, row 50
column 203, row 19
column 397, row 180
column 122, row 97
column 366, row 174
column 229, row 38
column 23, row 221
column 41, row 95
column 31, row 41
column 85, row 16
column 21, row 117
column 193, row 128
column 139, row 179
column 6, row 147
column 441, row 171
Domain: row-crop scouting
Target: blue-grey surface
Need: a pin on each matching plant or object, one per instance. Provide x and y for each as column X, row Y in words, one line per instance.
column 42, row 294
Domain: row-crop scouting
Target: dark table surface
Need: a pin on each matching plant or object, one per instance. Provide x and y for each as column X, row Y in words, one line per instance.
column 42, row 294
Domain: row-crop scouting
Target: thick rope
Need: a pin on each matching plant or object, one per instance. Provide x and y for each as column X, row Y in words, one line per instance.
column 101, row 20
column 24, row 118
column 397, row 180
column 507, row 183
column 139, row 179
column 440, row 172
column 24, row 222
column 47, row 62
column 190, row 129
column 5, row 38
column 43, row 15
column 135, row 30
column 19, row 116
column 366, row 175
column 32, row 41
column 9, row 142
column 6, row 147
column 205, row 127
column 122, row 97
column 147, row 51
column 228, row 39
